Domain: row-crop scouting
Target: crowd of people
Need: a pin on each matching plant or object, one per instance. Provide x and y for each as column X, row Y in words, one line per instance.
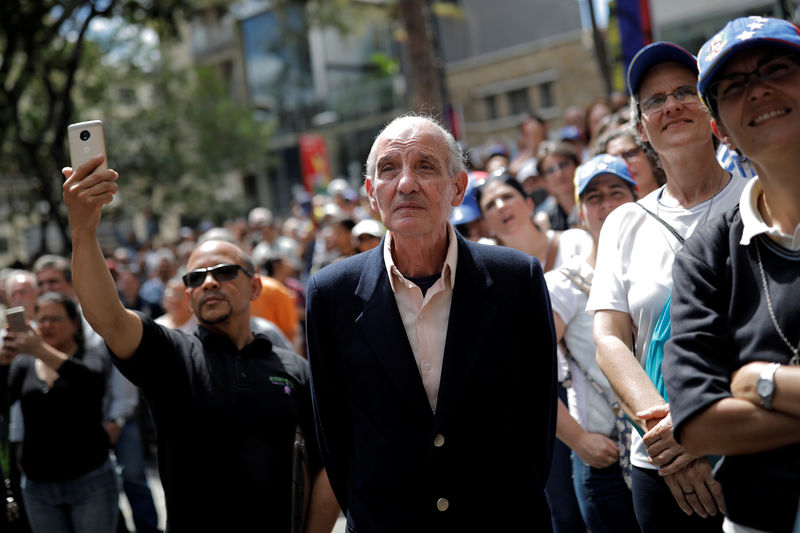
column 590, row 331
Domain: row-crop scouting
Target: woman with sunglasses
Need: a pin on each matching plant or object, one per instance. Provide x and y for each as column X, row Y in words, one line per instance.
column 732, row 363
column 672, row 489
column 557, row 161
column 69, row 482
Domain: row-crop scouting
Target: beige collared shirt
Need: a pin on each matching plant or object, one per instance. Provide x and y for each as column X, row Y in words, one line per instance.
column 425, row 318
column 754, row 223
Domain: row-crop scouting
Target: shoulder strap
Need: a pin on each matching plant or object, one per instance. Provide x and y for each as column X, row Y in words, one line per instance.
column 612, row 402
column 664, row 222
column 579, row 281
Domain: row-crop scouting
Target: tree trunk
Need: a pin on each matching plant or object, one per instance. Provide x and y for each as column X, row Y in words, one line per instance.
column 426, row 89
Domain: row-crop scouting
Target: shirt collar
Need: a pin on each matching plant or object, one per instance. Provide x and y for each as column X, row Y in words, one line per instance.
column 448, row 270
column 753, row 222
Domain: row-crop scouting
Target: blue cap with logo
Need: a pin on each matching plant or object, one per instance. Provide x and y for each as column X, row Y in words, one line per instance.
column 652, row 55
column 599, row 165
column 740, row 34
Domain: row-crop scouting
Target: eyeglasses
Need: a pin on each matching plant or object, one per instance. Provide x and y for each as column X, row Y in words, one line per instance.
column 222, row 273
column 684, row 94
column 55, row 319
column 633, row 153
column 734, row 85
column 552, row 169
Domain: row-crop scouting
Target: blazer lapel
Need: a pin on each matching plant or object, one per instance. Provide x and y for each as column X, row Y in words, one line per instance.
column 471, row 315
column 381, row 326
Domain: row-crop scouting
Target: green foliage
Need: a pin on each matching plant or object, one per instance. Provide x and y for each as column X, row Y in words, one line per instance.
column 175, row 146
column 183, row 131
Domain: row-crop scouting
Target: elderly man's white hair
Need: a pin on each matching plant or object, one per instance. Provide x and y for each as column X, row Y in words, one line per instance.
column 455, row 159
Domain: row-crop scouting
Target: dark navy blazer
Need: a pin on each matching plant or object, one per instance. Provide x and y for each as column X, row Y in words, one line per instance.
column 479, row 463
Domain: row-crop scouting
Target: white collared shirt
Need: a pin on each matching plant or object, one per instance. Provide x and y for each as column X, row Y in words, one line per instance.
column 425, row 318
column 754, row 223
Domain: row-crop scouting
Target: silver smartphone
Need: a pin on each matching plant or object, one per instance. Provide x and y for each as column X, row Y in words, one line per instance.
column 86, row 140
column 15, row 319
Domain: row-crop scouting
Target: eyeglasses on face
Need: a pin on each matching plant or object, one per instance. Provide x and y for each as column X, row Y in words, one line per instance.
column 222, row 273
column 734, row 85
column 633, row 153
column 552, row 169
column 685, row 94
column 54, row 319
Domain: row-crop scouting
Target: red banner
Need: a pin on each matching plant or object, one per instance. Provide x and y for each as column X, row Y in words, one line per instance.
column 314, row 162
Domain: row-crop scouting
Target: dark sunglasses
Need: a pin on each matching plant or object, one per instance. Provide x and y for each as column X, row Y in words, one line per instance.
column 221, row 273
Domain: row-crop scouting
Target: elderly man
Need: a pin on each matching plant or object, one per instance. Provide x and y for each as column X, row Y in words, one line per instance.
column 432, row 359
column 226, row 403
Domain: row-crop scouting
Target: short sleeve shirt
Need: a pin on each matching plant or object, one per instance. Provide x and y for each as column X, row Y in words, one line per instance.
column 226, row 421
column 633, row 272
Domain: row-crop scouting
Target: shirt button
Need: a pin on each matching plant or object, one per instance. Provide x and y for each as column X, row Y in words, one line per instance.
column 438, row 440
column 426, row 366
column 442, row 504
column 421, row 316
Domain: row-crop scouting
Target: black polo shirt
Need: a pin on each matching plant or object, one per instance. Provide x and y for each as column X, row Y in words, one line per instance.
column 225, row 422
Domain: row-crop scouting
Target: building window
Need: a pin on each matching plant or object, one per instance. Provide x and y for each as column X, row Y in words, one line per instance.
column 546, row 94
column 518, row 101
column 491, row 107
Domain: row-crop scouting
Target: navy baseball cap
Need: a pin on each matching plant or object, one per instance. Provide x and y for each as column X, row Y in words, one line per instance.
column 598, row 165
column 652, row 55
column 741, row 34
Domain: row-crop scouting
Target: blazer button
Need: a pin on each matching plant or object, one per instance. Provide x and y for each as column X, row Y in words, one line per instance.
column 438, row 440
column 442, row 504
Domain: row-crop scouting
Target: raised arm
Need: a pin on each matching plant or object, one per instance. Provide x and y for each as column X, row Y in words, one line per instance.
column 86, row 191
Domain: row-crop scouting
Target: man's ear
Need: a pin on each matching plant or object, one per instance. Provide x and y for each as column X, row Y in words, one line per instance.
column 722, row 134
column 370, row 193
column 255, row 286
column 461, row 181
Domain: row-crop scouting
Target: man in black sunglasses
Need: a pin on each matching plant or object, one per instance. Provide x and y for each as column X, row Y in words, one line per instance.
column 227, row 404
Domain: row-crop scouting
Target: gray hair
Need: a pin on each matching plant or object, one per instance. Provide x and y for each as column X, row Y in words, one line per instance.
column 455, row 158
column 29, row 276
column 56, row 262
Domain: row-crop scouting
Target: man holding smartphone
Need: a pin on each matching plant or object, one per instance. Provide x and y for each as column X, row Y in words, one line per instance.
column 226, row 403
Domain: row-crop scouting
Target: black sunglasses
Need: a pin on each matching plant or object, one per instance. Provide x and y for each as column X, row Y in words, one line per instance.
column 221, row 273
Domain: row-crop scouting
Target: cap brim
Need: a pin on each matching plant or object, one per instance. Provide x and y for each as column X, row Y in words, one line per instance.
column 652, row 55
column 709, row 73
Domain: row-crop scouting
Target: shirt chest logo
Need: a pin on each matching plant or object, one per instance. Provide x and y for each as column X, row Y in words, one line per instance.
column 287, row 385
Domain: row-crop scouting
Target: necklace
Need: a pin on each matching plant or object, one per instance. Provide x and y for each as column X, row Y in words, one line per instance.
column 710, row 204
column 794, row 349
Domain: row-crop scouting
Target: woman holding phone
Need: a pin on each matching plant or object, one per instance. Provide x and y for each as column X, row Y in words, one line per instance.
column 69, row 481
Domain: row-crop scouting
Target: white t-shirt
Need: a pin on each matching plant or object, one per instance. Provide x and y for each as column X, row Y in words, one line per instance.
column 633, row 272
column 588, row 406
column 573, row 243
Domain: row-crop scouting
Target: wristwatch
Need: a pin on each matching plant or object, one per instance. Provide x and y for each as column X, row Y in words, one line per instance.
column 765, row 386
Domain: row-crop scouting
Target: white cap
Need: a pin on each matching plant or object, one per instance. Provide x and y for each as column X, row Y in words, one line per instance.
column 368, row 226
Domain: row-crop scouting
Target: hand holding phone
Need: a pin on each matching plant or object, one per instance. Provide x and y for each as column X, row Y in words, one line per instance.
column 15, row 319
column 86, row 140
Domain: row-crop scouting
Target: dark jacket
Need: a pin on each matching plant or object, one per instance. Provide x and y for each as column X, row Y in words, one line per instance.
column 487, row 449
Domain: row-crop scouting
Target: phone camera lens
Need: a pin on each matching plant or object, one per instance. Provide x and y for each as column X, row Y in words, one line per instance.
column 85, row 135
